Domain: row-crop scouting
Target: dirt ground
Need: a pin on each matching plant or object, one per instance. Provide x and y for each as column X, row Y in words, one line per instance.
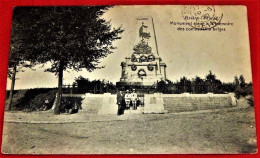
column 219, row 131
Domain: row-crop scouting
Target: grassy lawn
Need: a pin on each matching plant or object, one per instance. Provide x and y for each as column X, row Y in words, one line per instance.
column 231, row 131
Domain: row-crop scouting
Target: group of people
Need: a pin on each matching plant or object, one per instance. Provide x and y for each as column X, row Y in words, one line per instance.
column 70, row 105
column 126, row 101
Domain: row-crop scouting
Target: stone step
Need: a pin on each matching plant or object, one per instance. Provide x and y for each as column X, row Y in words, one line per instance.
column 139, row 110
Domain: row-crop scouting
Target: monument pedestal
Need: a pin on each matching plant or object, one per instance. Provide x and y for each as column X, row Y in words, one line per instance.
column 153, row 104
column 144, row 66
column 109, row 105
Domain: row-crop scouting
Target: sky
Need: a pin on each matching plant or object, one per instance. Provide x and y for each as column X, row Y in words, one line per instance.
column 186, row 53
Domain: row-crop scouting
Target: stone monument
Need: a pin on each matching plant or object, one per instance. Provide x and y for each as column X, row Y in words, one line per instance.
column 143, row 67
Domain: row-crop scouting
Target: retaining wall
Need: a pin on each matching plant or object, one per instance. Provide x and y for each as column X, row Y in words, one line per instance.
column 192, row 102
column 106, row 103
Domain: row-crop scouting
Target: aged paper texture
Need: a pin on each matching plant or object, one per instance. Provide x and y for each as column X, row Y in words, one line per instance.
column 129, row 80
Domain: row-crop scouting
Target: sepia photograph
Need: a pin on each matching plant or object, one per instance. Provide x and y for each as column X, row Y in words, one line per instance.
column 129, row 79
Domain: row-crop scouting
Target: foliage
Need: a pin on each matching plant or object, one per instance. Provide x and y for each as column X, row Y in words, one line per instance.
column 142, row 48
column 20, row 55
column 236, row 81
column 38, row 102
column 242, row 82
column 250, row 100
column 244, row 91
column 165, row 86
column 32, row 99
column 185, row 85
column 17, row 98
column 228, row 87
column 197, row 85
column 209, row 84
column 96, row 86
column 213, row 84
column 76, row 35
column 67, row 37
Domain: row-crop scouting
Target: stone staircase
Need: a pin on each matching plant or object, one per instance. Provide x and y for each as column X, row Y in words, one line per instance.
column 106, row 104
column 156, row 103
column 139, row 110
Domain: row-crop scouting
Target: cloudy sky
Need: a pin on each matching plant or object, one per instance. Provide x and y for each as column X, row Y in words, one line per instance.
column 186, row 53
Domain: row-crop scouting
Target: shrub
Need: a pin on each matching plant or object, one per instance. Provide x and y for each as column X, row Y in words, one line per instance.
column 243, row 91
column 38, row 102
column 17, row 99
column 250, row 101
column 32, row 99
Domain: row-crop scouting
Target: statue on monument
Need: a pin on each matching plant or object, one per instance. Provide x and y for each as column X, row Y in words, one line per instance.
column 143, row 34
column 144, row 67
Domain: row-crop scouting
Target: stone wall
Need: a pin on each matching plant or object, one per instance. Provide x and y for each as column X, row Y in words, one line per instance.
column 99, row 103
column 159, row 103
column 192, row 102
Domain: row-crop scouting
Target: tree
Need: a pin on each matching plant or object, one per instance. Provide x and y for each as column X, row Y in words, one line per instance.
column 212, row 82
column 211, row 77
column 198, row 80
column 161, row 86
column 82, row 83
column 185, row 84
column 236, row 81
column 70, row 38
column 20, row 56
column 16, row 63
column 242, row 81
column 197, row 85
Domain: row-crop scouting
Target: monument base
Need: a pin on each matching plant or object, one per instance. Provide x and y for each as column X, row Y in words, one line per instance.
column 154, row 104
column 140, row 87
column 148, row 84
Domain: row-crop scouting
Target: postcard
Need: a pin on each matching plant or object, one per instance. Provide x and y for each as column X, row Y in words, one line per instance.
column 132, row 79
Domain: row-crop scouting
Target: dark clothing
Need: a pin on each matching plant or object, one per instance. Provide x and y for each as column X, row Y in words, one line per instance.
column 120, row 102
column 120, row 110
column 119, row 98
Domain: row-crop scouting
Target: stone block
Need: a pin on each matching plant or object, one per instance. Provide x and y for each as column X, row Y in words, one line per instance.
column 109, row 105
column 154, row 103
column 233, row 99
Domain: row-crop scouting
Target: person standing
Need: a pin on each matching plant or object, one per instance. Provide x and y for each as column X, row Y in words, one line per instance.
column 134, row 99
column 127, row 99
column 120, row 100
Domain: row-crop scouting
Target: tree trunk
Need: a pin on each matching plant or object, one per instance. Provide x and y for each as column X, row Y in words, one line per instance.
column 9, row 104
column 59, row 97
